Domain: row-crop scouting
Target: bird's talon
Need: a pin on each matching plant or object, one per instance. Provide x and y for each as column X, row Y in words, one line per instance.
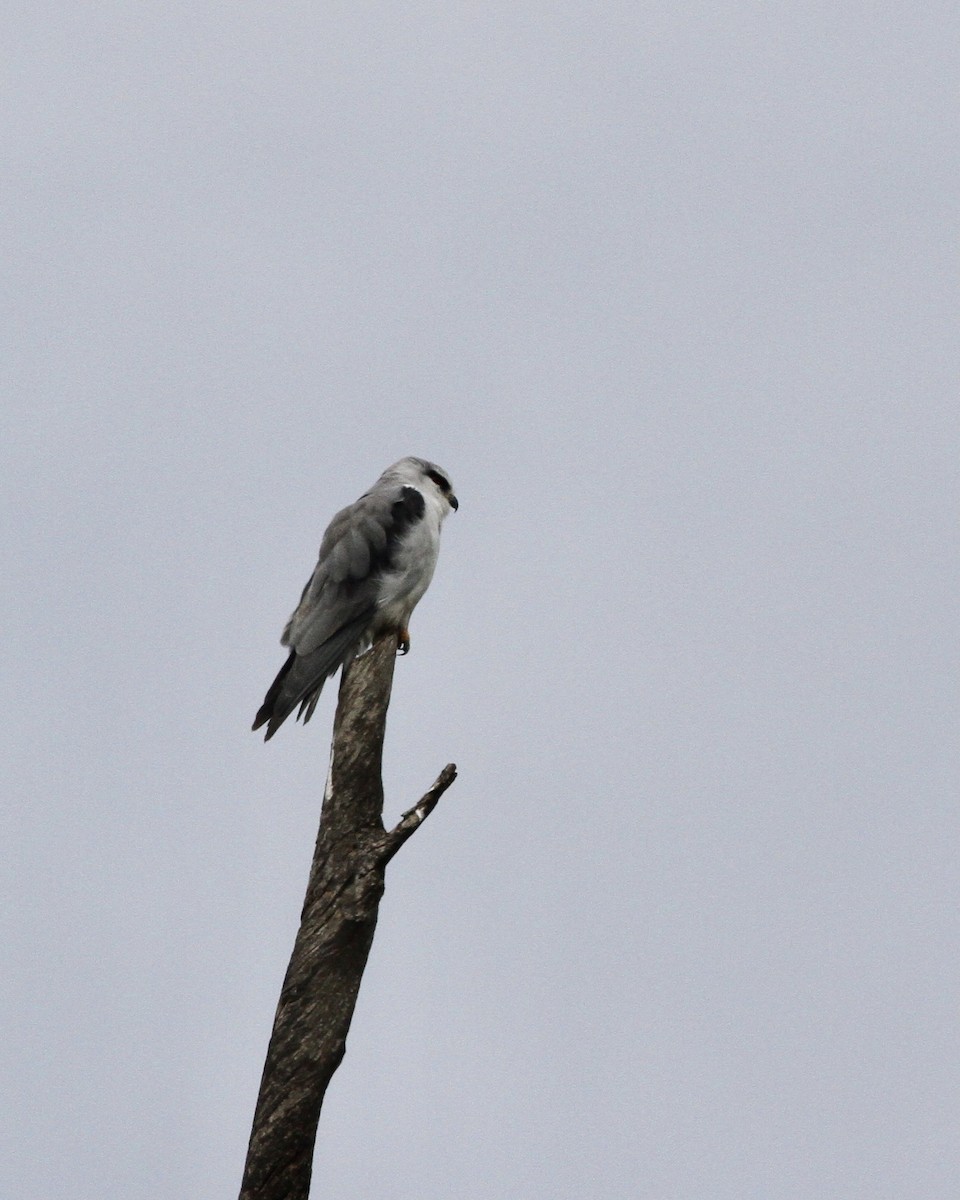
column 403, row 641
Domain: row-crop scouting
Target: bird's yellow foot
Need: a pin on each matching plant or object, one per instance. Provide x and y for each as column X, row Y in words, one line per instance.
column 403, row 641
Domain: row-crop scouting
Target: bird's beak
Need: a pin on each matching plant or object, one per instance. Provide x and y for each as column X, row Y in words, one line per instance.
column 453, row 502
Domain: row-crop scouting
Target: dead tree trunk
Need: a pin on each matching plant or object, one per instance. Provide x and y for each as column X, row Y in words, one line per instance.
column 336, row 930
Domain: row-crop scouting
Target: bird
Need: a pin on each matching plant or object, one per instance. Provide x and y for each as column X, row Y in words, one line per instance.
column 377, row 558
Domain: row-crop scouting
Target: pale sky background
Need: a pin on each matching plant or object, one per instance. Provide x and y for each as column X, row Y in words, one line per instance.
column 671, row 292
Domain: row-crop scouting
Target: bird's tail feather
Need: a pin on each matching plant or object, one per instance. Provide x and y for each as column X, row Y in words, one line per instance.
column 302, row 677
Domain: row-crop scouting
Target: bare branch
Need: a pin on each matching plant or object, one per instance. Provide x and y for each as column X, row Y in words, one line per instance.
column 414, row 817
column 336, row 931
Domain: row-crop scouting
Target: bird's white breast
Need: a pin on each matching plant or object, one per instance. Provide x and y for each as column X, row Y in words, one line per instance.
column 414, row 561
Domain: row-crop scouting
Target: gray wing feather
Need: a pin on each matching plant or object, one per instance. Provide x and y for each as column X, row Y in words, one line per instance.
column 345, row 581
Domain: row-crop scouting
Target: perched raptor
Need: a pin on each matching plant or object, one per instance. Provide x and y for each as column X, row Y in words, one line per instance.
column 376, row 561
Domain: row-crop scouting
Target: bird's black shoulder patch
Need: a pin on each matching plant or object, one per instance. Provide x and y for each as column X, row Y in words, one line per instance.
column 406, row 511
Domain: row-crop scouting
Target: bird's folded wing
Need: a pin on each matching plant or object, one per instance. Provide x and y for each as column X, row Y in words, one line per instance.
column 356, row 552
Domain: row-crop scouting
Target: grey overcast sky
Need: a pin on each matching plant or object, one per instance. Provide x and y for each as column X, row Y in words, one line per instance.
column 671, row 292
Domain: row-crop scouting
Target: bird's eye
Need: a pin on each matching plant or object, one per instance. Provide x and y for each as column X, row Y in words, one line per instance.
column 439, row 480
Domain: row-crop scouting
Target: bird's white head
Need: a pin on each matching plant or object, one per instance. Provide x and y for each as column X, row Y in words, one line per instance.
column 425, row 475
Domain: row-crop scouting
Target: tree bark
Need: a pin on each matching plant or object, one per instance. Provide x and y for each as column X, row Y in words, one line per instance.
column 336, row 931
